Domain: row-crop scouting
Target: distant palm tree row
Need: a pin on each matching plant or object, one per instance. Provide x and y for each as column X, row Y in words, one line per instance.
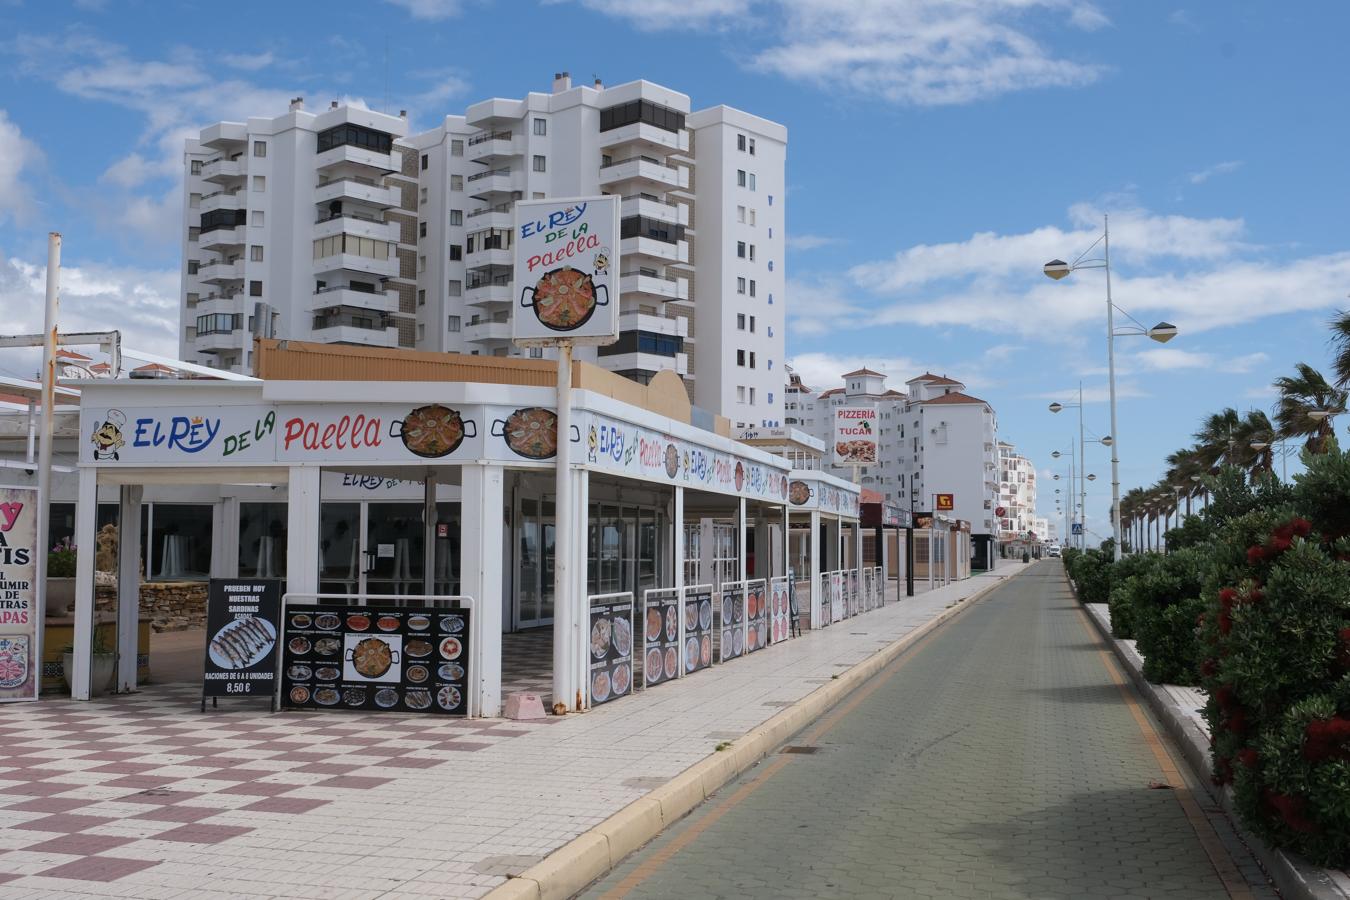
column 1304, row 409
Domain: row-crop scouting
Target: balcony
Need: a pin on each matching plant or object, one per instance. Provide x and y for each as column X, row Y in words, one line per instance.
column 219, row 239
column 641, row 321
column 221, row 341
column 221, row 200
column 386, row 268
column 653, row 207
column 344, row 295
column 488, row 330
column 355, row 187
column 219, row 272
column 228, row 302
column 649, row 284
column 490, row 185
column 658, row 250
column 647, row 362
column 352, row 155
column 499, row 216
column 490, row 147
column 492, row 256
column 221, row 170
column 489, row 294
column 644, row 135
column 354, row 334
column 359, row 225
column 644, row 171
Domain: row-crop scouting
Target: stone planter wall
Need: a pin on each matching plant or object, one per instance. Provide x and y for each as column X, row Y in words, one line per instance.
column 169, row 605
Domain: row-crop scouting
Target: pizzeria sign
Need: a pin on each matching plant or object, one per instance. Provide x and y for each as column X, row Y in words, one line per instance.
column 565, row 273
column 855, row 436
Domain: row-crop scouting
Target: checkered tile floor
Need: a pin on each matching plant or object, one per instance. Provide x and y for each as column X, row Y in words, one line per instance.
column 94, row 792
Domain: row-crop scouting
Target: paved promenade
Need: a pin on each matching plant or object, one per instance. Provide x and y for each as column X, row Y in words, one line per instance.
column 1001, row 756
column 146, row 797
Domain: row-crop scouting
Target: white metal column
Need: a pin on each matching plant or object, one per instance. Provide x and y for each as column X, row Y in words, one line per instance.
column 429, row 534
column 813, row 556
column 225, row 539
column 741, row 560
column 579, row 643
column 481, row 497
column 678, row 540
column 128, row 584
column 86, row 544
column 302, row 530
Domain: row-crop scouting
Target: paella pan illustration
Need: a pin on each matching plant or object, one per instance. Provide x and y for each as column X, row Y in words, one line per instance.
column 531, row 432
column 564, row 299
column 432, row 431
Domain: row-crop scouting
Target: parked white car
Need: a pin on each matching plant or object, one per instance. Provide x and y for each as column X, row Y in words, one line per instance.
column 1051, row 551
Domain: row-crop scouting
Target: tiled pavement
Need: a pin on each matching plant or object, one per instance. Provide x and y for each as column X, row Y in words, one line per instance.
column 144, row 796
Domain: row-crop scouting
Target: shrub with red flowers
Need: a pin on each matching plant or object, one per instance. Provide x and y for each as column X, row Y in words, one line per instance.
column 1275, row 640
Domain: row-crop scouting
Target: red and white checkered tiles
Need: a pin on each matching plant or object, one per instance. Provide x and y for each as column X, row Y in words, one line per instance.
column 89, row 791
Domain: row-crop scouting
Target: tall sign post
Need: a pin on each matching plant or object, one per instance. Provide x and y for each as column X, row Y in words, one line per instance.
column 856, row 444
column 566, row 292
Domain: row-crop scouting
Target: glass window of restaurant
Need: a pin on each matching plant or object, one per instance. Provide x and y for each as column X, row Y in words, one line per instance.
column 262, row 540
column 179, row 548
column 624, row 549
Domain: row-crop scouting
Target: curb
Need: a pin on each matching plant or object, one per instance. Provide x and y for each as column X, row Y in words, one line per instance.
column 1295, row 878
column 575, row 865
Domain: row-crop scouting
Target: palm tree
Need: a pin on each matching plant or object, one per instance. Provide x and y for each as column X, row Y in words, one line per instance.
column 1304, row 393
column 1181, row 465
column 1216, row 441
column 1255, row 427
column 1340, row 343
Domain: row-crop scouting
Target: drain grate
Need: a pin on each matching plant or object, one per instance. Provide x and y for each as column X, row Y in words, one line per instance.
column 800, row 748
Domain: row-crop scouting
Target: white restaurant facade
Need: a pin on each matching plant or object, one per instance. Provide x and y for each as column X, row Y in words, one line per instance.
column 319, row 482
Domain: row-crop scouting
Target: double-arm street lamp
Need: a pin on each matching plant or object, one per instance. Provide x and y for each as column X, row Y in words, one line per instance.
column 1162, row 333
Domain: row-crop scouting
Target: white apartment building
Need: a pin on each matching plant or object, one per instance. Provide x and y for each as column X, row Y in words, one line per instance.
column 313, row 215
column 702, row 240
column 1017, row 497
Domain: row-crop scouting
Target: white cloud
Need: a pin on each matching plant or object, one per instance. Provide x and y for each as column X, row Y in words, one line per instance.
column 1222, row 168
column 141, row 303
column 811, row 241
column 249, row 62
column 661, row 15
column 17, row 160
column 443, row 85
column 821, row 371
column 431, row 10
column 1168, row 359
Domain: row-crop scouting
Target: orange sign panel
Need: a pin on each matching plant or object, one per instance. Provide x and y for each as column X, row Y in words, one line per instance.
column 945, row 502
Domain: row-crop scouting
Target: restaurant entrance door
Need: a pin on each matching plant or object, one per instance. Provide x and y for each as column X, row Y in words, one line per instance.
column 534, row 594
column 377, row 548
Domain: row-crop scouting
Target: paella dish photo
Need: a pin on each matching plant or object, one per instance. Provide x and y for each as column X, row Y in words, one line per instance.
column 564, row 299
column 532, row 432
column 431, row 431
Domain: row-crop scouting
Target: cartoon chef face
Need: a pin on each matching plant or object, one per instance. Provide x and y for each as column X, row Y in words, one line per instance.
column 107, row 438
column 602, row 261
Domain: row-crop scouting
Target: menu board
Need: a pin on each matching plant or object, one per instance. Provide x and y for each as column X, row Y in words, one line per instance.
column 854, row 591
column 756, row 616
column 385, row 659
column 836, row 596
column 241, row 654
column 780, row 610
column 661, row 631
column 698, row 630
column 20, row 614
column 611, row 649
column 733, row 622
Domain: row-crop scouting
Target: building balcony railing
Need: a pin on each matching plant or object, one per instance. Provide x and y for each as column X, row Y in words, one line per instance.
column 221, row 170
column 645, row 169
column 384, row 302
column 352, row 155
column 357, row 188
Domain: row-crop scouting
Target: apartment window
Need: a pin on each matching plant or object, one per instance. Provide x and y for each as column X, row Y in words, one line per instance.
column 771, row 199
column 196, row 167
column 740, row 285
column 356, row 136
column 770, row 368
column 421, row 298
column 425, row 162
column 456, row 217
column 537, row 195
column 752, row 326
column 452, row 323
column 740, row 142
column 221, row 218
column 770, row 331
column 752, row 252
column 740, row 214
column 259, row 183
column 752, row 181
column 455, row 288
column 536, row 353
column 752, row 220
column 255, row 253
column 421, row 332
column 740, row 321
column 752, row 396
column 541, row 127
column 194, row 200
column 421, row 264
column 740, row 249
column 256, row 218
column 255, row 288
column 740, row 393
column 770, row 265
column 192, row 266
column 219, row 323
column 641, row 226
column 456, row 148
column 540, row 164
column 636, row 111
column 771, row 295
column 194, row 232
column 351, row 244
column 260, row 148
column 456, row 182
column 752, row 146
column 740, row 178
column 421, row 229
column 456, row 252
column 422, row 197
column 740, row 357
column 752, row 287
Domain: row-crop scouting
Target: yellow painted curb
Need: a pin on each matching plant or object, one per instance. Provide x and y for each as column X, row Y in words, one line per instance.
column 572, row 867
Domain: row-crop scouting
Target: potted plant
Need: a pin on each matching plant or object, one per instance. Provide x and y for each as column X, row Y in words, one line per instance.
column 104, row 662
column 61, row 578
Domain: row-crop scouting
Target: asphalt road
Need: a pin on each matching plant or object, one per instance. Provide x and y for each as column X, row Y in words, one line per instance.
column 1004, row 755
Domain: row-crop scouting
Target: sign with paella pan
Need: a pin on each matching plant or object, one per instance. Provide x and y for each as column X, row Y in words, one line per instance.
column 756, row 615
column 566, row 271
column 733, row 621
column 611, row 669
column 698, row 627
column 381, row 659
column 661, row 636
column 241, row 654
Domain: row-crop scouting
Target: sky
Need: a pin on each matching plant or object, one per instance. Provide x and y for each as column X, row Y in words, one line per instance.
column 939, row 153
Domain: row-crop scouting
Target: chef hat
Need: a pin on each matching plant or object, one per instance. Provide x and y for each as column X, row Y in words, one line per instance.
column 116, row 417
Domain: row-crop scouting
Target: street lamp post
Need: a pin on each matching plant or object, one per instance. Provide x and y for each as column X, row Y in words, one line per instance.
column 1162, row 333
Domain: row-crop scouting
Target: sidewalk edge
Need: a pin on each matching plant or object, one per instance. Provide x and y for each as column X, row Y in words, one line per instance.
column 1295, row 878
column 592, row 854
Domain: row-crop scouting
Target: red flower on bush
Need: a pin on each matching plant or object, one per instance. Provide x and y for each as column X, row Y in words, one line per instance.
column 1225, row 697
column 1227, row 597
column 1292, row 811
column 1225, row 622
column 1256, row 595
column 1248, row 757
column 1280, row 544
column 1255, row 555
column 1237, row 722
column 1301, row 527
column 1325, row 739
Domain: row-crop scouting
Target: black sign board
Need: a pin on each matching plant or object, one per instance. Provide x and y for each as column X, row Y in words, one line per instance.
column 611, row 650
column 241, row 650
column 757, row 616
column 381, row 659
column 733, row 622
column 698, row 630
column 661, row 630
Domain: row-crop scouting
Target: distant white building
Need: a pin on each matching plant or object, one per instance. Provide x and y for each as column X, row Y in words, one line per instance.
column 1016, row 508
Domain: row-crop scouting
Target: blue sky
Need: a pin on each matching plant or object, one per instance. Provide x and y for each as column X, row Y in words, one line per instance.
column 939, row 152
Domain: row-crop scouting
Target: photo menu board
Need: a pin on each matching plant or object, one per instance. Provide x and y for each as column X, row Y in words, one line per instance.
column 780, row 610
column 733, row 622
column 382, row 659
column 756, row 615
column 241, row 654
column 661, row 633
column 698, row 630
column 854, row 594
column 611, row 649
column 837, row 596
